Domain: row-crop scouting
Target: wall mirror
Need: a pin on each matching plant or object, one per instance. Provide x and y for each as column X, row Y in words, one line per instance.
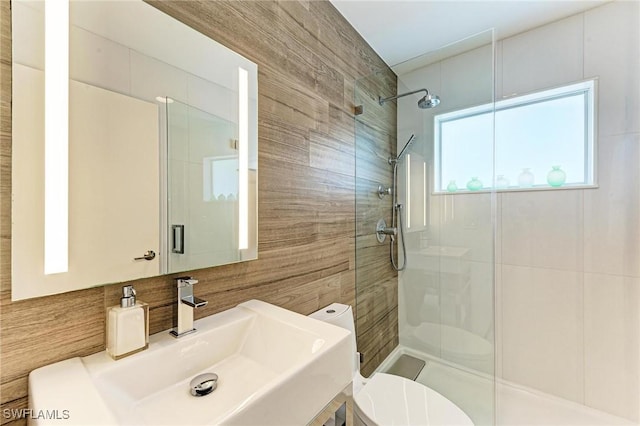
column 156, row 171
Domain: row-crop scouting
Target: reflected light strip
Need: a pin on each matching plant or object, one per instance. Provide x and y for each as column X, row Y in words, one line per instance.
column 243, row 158
column 56, row 125
column 424, row 187
column 408, row 193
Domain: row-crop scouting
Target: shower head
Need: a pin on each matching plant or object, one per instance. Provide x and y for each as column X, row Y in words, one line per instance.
column 427, row 101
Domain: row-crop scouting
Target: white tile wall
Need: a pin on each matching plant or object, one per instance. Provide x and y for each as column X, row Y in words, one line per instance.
column 612, row 338
column 568, row 300
column 151, row 78
column 543, row 229
column 467, row 79
column 612, row 53
column 213, row 98
column 468, row 222
column 479, row 312
column 612, row 213
column 178, row 131
column 498, row 66
column 499, row 321
column 209, row 136
column 178, row 190
column 28, row 34
column 542, row 344
column 100, row 62
column 498, row 229
column 544, row 57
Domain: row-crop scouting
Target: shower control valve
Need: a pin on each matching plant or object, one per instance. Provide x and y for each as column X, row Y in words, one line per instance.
column 388, row 230
column 382, row 191
column 382, row 230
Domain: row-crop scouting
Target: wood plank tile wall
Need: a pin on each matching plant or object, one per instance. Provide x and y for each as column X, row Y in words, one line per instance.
column 376, row 280
column 308, row 58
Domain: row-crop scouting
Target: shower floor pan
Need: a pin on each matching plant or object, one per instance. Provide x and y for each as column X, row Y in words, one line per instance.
column 495, row 402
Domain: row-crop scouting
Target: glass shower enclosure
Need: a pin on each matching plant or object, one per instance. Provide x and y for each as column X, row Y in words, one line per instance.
column 441, row 307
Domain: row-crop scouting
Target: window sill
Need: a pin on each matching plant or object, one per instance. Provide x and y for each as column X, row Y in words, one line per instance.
column 536, row 188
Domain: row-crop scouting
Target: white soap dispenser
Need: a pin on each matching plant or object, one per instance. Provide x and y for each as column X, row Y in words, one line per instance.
column 127, row 325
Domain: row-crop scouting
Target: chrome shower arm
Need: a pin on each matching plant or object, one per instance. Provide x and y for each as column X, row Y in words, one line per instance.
column 381, row 101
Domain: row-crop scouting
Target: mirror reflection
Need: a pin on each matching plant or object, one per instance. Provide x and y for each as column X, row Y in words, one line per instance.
column 158, row 173
column 203, row 189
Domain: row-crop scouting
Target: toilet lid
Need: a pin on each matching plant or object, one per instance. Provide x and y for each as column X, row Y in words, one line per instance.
column 393, row 400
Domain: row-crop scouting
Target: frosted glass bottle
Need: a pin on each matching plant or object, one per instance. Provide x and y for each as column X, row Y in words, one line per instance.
column 452, row 187
column 526, row 178
column 502, row 182
column 556, row 177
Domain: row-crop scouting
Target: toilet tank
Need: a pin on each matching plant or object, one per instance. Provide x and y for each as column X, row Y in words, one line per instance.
column 342, row 316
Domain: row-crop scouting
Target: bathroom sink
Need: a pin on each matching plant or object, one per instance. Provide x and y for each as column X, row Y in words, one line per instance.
column 274, row 367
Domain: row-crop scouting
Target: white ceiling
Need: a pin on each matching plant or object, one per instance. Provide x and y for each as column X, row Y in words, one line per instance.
column 402, row 30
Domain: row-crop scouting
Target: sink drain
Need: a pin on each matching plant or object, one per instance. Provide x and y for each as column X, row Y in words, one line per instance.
column 203, row 384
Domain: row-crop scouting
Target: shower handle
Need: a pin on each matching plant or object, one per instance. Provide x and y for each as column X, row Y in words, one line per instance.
column 382, row 230
column 389, row 230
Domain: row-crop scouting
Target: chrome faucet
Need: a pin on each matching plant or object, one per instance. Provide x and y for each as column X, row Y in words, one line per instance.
column 186, row 303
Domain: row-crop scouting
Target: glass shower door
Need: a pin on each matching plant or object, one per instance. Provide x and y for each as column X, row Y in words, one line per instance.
column 445, row 296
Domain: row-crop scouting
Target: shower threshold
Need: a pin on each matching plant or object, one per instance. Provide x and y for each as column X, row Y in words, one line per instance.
column 406, row 366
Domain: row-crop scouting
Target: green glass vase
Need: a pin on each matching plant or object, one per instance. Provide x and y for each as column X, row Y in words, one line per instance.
column 556, row 177
column 474, row 184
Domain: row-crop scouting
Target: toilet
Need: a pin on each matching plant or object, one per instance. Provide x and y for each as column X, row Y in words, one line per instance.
column 385, row 399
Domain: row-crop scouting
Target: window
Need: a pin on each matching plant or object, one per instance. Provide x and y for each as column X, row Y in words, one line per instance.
column 539, row 139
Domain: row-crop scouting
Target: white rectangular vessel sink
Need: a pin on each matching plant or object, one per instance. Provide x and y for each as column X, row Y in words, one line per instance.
column 274, row 367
